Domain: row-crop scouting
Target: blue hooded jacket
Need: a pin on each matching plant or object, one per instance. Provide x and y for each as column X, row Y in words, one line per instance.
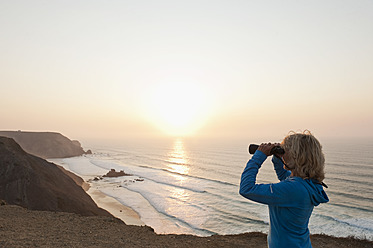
column 290, row 202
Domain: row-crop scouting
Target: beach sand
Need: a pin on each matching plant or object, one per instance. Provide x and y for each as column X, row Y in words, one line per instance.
column 126, row 214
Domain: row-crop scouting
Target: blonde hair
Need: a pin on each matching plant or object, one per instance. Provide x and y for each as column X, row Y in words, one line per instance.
column 305, row 153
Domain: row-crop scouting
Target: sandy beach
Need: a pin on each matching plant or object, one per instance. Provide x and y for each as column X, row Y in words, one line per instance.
column 126, row 214
column 120, row 211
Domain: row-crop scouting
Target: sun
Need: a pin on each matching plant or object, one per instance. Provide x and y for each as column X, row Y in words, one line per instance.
column 178, row 108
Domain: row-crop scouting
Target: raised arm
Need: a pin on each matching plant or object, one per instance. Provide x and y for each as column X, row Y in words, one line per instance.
column 281, row 173
column 280, row 194
column 248, row 177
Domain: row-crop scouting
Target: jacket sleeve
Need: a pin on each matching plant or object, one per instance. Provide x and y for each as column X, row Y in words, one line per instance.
column 279, row 194
column 281, row 173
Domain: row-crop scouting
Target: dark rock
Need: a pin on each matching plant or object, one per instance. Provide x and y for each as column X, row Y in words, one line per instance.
column 113, row 173
column 36, row 184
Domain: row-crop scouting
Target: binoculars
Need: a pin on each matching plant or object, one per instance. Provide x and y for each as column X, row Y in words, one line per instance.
column 277, row 150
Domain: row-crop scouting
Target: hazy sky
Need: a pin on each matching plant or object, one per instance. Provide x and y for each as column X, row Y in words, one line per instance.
column 221, row 68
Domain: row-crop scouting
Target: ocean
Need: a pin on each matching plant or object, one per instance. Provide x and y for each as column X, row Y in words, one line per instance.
column 189, row 186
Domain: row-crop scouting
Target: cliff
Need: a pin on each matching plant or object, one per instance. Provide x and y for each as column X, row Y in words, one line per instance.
column 45, row 144
column 34, row 183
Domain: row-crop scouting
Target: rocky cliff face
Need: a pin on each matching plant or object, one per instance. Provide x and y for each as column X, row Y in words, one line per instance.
column 45, row 144
column 36, row 184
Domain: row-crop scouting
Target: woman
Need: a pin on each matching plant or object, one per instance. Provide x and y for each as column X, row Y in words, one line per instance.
column 291, row 201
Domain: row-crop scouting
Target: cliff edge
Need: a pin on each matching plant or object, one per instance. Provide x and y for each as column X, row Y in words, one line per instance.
column 45, row 144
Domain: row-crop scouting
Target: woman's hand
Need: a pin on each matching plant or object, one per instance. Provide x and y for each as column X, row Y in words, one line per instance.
column 266, row 148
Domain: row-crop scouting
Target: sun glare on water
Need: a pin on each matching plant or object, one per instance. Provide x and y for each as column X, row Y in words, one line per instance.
column 178, row 109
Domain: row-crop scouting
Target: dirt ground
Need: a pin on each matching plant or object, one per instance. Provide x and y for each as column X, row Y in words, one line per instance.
column 20, row 227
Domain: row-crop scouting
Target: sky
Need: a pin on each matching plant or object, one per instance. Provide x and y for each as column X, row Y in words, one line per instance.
column 115, row 69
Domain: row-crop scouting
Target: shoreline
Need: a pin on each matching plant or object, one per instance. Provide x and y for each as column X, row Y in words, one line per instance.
column 110, row 204
column 113, row 206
